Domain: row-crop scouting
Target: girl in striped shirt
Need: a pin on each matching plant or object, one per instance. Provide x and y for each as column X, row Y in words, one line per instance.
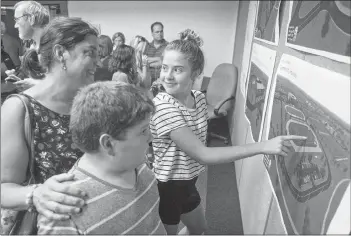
column 179, row 128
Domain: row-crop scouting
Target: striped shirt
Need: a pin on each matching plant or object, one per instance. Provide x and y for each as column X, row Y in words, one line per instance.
column 170, row 162
column 110, row 209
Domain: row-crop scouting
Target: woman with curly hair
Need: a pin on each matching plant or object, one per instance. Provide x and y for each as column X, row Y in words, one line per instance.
column 123, row 65
column 31, row 66
column 105, row 49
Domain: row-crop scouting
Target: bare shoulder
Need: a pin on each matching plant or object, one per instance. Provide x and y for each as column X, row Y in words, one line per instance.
column 12, row 108
column 14, row 153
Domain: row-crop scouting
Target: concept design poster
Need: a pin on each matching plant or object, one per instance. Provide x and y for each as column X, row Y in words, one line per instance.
column 310, row 183
column 321, row 28
column 267, row 23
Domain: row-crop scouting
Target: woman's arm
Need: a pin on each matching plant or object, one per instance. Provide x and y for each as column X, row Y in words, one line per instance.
column 49, row 197
column 186, row 140
column 154, row 62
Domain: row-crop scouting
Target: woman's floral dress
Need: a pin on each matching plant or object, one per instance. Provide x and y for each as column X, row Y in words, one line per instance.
column 54, row 150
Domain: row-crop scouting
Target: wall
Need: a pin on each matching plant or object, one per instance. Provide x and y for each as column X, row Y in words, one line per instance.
column 215, row 21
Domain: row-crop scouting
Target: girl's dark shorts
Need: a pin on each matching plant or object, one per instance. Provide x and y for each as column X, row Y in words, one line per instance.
column 177, row 197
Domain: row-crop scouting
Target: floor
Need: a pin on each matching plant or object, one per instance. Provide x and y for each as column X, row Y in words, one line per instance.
column 219, row 194
column 218, row 189
column 222, row 200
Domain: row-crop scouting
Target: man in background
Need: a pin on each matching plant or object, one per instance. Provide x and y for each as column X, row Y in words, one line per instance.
column 155, row 49
column 30, row 19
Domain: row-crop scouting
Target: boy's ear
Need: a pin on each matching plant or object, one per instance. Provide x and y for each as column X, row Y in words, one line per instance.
column 106, row 144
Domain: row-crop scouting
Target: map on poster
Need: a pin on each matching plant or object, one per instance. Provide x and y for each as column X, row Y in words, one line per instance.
column 261, row 70
column 267, row 23
column 315, row 26
column 310, row 183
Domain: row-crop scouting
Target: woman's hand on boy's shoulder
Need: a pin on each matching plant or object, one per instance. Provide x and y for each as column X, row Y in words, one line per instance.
column 56, row 199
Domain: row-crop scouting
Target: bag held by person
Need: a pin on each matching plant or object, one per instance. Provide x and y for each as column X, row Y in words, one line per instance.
column 22, row 222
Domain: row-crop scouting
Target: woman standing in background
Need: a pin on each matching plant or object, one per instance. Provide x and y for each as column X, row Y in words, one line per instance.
column 105, row 49
column 118, row 39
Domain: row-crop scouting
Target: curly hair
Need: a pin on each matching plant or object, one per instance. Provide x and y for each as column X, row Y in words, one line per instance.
column 123, row 60
column 30, row 65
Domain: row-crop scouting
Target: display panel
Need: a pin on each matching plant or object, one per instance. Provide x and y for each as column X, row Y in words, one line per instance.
column 315, row 26
column 309, row 184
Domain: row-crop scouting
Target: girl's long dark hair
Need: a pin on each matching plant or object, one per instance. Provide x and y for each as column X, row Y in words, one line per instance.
column 30, row 65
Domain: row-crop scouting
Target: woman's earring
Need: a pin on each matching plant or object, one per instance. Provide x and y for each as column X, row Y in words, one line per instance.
column 64, row 66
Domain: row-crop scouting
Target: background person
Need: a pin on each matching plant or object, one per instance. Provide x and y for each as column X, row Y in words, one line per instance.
column 139, row 44
column 155, row 49
column 118, row 39
column 123, row 65
column 31, row 17
column 105, row 49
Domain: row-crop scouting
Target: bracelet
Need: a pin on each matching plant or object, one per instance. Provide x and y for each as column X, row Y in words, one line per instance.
column 29, row 198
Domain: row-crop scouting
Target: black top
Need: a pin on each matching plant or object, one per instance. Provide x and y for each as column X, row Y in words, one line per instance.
column 102, row 73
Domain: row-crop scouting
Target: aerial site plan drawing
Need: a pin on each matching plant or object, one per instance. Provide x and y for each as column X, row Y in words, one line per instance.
column 321, row 28
column 309, row 184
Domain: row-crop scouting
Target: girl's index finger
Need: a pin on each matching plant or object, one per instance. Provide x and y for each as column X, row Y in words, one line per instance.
column 294, row 137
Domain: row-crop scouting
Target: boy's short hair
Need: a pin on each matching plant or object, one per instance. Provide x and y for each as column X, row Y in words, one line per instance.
column 108, row 107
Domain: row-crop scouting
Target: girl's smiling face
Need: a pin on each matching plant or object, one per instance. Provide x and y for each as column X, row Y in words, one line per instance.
column 176, row 74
